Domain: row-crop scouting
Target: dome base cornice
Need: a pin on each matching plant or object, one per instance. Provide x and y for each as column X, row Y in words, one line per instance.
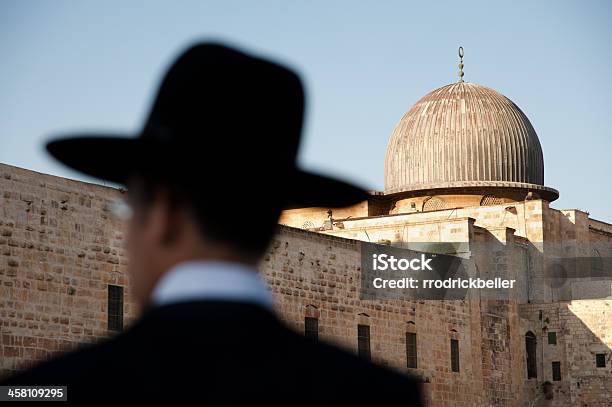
column 546, row 193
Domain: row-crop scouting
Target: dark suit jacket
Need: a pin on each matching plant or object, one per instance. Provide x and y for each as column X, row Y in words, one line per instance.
column 218, row 353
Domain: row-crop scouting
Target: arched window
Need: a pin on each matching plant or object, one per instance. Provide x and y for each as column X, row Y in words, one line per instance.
column 454, row 350
column 363, row 336
column 530, row 350
column 311, row 328
column 115, row 308
column 411, row 345
column 311, row 322
column 363, row 341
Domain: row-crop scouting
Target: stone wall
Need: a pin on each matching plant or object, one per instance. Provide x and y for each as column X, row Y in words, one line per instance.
column 583, row 328
column 59, row 250
column 317, row 275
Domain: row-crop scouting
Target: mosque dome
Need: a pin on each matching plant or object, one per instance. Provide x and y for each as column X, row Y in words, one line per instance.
column 465, row 135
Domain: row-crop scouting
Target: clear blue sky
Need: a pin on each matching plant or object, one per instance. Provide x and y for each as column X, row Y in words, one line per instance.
column 85, row 65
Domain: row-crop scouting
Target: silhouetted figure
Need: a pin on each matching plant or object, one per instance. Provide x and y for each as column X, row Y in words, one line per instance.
column 207, row 179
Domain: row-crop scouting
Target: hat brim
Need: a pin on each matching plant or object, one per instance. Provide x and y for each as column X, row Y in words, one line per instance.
column 115, row 157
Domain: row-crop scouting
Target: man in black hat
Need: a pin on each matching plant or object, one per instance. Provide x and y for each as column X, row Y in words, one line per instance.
column 207, row 179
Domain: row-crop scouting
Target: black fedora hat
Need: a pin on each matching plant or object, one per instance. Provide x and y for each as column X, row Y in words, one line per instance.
column 223, row 119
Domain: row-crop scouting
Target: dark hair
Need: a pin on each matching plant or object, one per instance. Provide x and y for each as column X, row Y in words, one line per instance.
column 242, row 218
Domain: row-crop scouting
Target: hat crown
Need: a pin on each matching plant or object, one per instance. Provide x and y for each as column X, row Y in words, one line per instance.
column 231, row 103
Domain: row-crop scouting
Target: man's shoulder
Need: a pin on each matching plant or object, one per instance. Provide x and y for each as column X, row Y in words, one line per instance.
column 341, row 363
column 75, row 365
column 345, row 373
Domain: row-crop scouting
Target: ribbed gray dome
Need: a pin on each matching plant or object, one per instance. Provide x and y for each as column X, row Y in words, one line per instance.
column 461, row 135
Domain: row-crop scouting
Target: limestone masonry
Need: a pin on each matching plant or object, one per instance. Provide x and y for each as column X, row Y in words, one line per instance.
column 464, row 168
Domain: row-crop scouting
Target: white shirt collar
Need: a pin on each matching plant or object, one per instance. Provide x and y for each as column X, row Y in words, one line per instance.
column 199, row 280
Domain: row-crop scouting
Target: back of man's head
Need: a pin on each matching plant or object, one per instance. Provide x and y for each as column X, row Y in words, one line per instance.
column 237, row 217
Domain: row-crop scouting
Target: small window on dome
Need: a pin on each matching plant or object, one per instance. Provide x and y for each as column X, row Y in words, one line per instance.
column 489, row 200
column 433, row 204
